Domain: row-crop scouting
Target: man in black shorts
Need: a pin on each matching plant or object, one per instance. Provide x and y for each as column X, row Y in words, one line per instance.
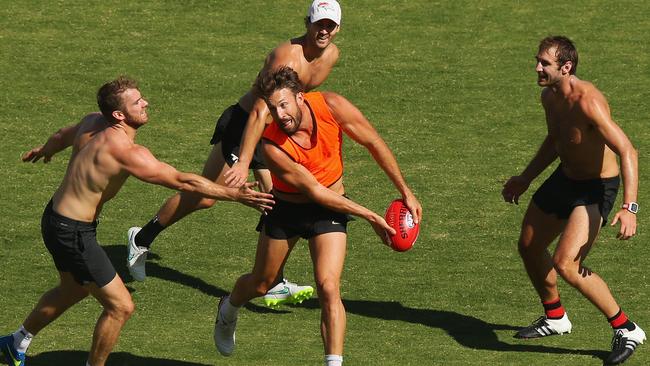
column 575, row 201
column 302, row 149
column 74, row 248
column 235, row 147
column 103, row 156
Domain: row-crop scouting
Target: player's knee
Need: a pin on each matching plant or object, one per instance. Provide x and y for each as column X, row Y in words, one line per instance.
column 205, row 203
column 525, row 248
column 566, row 268
column 122, row 310
column 328, row 290
column 192, row 201
column 127, row 308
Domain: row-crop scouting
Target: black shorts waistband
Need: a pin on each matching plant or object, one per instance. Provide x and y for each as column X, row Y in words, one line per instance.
column 561, row 173
column 73, row 224
column 299, row 206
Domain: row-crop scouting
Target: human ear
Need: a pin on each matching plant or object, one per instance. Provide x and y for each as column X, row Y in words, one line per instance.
column 300, row 98
column 118, row 115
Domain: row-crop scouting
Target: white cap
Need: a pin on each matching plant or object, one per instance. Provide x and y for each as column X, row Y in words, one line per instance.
column 325, row 9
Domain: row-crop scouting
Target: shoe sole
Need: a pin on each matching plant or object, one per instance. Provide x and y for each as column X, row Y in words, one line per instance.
column 541, row 336
column 297, row 298
column 136, row 276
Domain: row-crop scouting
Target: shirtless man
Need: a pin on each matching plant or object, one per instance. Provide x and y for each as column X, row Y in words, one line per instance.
column 302, row 148
column 575, row 200
column 312, row 56
column 103, row 156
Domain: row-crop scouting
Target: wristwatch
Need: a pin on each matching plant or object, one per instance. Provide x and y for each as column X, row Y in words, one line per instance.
column 633, row 207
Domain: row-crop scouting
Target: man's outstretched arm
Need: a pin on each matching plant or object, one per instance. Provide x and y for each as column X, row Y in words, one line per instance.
column 59, row 141
column 355, row 125
column 139, row 162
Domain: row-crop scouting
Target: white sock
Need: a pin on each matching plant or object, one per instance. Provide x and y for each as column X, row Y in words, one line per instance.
column 88, row 363
column 22, row 339
column 333, row 360
column 228, row 311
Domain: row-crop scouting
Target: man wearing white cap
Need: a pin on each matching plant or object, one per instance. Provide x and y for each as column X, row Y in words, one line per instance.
column 312, row 56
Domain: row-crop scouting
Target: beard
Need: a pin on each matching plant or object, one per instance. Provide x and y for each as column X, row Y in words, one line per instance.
column 291, row 129
column 137, row 120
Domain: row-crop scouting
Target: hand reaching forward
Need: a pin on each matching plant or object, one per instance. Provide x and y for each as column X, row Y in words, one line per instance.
column 513, row 188
column 236, row 176
column 250, row 197
column 36, row 154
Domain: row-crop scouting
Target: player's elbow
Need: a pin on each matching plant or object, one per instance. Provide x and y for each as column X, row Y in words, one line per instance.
column 374, row 144
column 171, row 181
column 315, row 193
column 58, row 138
column 185, row 183
column 630, row 153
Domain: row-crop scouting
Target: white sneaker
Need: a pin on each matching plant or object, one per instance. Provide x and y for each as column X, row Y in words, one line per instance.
column 287, row 292
column 544, row 326
column 224, row 332
column 624, row 343
column 136, row 256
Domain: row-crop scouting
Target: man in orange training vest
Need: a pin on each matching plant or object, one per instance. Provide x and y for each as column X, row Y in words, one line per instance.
column 236, row 136
column 302, row 149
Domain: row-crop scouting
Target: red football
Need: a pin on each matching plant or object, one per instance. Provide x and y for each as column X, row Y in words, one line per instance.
column 400, row 219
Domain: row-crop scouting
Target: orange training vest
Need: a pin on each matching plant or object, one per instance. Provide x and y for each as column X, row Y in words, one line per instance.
column 324, row 159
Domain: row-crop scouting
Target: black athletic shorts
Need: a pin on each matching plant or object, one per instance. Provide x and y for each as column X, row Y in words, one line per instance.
column 74, row 248
column 559, row 194
column 229, row 130
column 289, row 220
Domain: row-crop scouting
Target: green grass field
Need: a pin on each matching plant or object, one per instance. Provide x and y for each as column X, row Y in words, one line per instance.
column 451, row 87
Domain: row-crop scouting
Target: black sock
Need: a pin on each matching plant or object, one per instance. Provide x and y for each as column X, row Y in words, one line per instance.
column 148, row 233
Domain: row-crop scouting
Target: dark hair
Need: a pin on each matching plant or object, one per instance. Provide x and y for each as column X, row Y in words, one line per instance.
column 109, row 95
column 268, row 81
column 565, row 50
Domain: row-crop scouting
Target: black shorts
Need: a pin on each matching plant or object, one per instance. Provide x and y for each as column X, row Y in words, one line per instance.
column 74, row 248
column 289, row 220
column 559, row 195
column 229, row 130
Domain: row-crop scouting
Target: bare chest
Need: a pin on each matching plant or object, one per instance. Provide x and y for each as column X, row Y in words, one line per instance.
column 113, row 186
column 314, row 74
column 572, row 129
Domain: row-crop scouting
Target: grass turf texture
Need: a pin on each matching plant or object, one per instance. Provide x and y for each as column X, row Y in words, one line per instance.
column 450, row 86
